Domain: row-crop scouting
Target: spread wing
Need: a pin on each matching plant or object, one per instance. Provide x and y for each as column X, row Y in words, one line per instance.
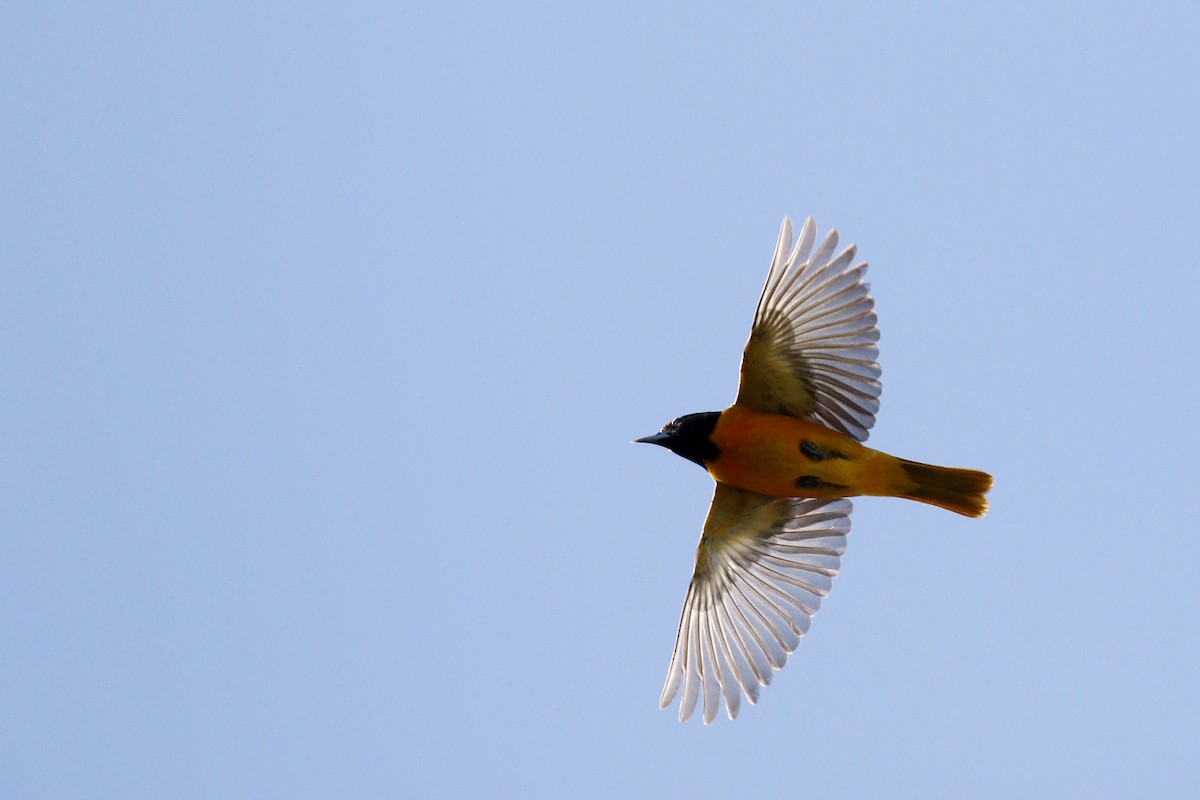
column 812, row 351
column 763, row 565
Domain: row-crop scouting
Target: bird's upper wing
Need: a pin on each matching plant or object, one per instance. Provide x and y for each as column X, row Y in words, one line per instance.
column 812, row 349
column 763, row 565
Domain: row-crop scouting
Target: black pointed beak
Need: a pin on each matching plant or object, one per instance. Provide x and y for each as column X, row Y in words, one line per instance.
column 659, row 438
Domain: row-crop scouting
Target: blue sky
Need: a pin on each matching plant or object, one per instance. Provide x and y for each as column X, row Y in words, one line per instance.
column 326, row 329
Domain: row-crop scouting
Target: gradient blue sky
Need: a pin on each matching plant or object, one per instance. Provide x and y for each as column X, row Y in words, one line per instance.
column 326, row 329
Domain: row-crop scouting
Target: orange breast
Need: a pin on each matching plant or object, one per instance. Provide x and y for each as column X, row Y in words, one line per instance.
column 787, row 457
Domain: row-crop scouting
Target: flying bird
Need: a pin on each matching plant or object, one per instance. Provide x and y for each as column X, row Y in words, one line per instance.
column 785, row 456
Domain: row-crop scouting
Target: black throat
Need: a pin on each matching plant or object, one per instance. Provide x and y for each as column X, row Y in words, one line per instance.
column 690, row 437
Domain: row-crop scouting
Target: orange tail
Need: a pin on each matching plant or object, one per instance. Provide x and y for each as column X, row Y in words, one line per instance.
column 959, row 490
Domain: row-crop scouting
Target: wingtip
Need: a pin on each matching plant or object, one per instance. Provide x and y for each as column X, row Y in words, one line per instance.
column 785, row 234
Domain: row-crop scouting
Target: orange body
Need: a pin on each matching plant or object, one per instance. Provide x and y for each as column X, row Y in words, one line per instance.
column 784, row 456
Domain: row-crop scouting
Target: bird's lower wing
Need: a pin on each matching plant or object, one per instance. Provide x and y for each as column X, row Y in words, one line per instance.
column 762, row 567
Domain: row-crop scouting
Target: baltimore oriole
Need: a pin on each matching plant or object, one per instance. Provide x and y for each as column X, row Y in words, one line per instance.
column 784, row 457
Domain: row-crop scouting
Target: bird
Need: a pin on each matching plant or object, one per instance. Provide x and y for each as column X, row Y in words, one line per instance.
column 785, row 457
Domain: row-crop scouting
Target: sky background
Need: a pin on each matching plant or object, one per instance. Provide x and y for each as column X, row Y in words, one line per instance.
column 325, row 330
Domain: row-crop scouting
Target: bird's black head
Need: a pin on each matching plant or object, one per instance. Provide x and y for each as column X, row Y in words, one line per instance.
column 688, row 436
